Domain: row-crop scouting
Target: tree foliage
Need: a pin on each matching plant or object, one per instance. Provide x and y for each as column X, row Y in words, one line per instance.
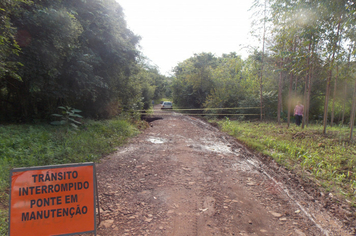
column 81, row 54
column 207, row 81
column 8, row 44
column 308, row 56
column 70, row 53
column 193, row 80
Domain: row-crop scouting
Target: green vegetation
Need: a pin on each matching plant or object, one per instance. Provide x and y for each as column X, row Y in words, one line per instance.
column 68, row 117
column 82, row 55
column 307, row 54
column 71, row 53
column 207, row 81
column 38, row 145
column 329, row 160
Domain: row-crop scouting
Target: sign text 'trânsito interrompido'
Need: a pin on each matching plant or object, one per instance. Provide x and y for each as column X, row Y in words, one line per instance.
column 52, row 201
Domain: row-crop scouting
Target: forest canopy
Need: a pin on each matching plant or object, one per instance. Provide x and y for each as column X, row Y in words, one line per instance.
column 73, row 53
column 307, row 54
column 82, row 54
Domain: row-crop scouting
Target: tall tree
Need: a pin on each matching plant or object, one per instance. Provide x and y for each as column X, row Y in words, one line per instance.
column 263, row 56
column 193, row 81
column 353, row 109
column 77, row 53
column 280, row 95
column 8, row 49
column 261, row 9
column 334, row 21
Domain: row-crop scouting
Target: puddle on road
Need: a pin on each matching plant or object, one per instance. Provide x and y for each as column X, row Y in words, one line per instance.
column 214, row 147
column 156, row 140
column 242, row 166
column 218, row 147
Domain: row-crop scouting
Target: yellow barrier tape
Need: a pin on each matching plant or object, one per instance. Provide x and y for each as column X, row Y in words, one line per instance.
column 206, row 109
column 203, row 114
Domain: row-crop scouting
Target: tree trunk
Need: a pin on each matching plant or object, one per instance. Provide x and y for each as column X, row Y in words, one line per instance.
column 290, row 97
column 296, row 87
column 262, row 59
column 345, row 88
column 329, row 80
column 310, row 83
column 334, row 96
column 279, row 96
column 305, row 99
column 325, row 118
column 290, row 86
column 306, row 87
column 352, row 116
column 309, row 95
column 344, row 105
column 261, row 100
column 335, row 86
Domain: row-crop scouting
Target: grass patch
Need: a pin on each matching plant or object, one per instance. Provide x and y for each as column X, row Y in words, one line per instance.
column 327, row 159
column 38, row 145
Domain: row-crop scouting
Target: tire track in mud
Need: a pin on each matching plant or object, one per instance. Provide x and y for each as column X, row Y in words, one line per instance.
column 182, row 177
column 184, row 199
column 252, row 162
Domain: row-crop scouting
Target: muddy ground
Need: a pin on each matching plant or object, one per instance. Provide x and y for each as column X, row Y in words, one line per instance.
column 184, row 177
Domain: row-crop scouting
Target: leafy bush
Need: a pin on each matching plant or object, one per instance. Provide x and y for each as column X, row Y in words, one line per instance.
column 68, row 117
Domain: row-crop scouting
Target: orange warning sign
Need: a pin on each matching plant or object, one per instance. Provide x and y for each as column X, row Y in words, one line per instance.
column 52, row 200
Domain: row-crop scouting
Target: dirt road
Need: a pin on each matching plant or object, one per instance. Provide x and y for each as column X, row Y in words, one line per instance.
column 183, row 177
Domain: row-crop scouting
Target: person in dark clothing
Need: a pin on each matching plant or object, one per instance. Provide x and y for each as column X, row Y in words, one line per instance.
column 298, row 113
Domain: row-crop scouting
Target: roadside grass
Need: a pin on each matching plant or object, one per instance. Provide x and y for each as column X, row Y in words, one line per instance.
column 43, row 144
column 329, row 160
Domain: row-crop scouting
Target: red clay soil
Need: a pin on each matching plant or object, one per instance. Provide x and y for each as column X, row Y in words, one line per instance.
column 184, row 177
